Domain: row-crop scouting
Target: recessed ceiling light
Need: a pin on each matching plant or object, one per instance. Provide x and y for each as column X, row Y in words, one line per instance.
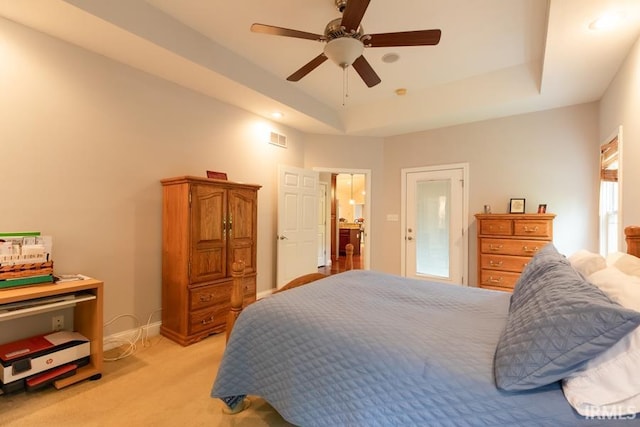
column 277, row 115
column 401, row 91
column 607, row 21
column 390, row 57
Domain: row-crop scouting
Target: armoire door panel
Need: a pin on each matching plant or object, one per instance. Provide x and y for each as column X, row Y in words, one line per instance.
column 243, row 216
column 208, row 233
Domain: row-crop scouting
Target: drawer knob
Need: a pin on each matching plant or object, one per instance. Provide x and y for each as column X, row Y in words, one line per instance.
column 530, row 250
column 206, row 321
column 530, row 230
column 205, row 297
column 495, row 247
column 493, row 263
column 494, row 279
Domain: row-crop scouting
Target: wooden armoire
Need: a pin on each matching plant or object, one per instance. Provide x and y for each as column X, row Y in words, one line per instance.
column 207, row 224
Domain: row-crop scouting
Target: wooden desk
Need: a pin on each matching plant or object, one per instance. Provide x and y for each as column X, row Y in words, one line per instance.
column 87, row 319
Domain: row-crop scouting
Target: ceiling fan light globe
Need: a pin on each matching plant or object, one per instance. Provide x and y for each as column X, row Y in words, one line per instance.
column 343, row 51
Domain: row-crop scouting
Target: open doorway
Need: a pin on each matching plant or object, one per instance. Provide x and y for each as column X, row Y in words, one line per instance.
column 347, row 217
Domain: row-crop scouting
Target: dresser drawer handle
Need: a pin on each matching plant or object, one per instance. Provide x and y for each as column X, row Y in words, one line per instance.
column 207, row 321
column 530, row 250
column 495, row 247
column 494, row 279
column 530, row 230
column 493, row 263
column 206, row 297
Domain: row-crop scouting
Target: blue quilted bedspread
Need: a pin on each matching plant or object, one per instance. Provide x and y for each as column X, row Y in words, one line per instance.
column 370, row 349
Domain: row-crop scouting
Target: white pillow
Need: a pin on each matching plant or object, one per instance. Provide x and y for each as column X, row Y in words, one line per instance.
column 613, row 257
column 586, row 263
column 628, row 264
column 620, row 287
column 609, row 383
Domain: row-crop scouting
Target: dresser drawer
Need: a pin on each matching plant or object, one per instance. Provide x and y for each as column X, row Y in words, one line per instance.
column 501, row 280
column 533, row 228
column 511, row 246
column 502, row 262
column 498, row 227
column 206, row 296
column 207, row 319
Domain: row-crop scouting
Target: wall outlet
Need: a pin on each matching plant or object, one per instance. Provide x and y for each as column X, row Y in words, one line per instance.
column 57, row 323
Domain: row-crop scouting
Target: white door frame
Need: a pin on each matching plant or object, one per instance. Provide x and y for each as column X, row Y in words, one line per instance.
column 465, row 214
column 323, row 209
column 367, row 207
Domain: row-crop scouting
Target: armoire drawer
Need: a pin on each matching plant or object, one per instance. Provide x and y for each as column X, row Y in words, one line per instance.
column 207, row 319
column 206, row 296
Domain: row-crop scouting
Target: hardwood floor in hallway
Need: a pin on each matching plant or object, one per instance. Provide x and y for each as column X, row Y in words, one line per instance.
column 339, row 267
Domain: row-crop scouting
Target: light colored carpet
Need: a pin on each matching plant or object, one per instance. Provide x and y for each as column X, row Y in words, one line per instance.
column 162, row 384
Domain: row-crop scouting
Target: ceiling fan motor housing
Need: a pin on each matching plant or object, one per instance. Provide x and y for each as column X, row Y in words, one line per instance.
column 335, row 30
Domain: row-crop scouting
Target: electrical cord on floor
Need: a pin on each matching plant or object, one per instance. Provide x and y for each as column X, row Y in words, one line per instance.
column 130, row 344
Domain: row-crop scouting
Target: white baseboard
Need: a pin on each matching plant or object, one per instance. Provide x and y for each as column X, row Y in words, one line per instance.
column 117, row 339
column 264, row 293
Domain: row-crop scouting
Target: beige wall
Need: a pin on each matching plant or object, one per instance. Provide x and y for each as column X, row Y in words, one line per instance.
column 84, row 142
column 547, row 157
column 620, row 106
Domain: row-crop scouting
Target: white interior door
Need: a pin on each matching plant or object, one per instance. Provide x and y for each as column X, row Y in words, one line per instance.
column 434, row 224
column 297, row 223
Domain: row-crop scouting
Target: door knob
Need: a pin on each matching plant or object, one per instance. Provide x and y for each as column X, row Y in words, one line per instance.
column 409, row 238
column 282, row 237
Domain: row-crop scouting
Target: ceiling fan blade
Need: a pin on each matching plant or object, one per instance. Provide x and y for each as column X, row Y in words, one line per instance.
column 366, row 72
column 352, row 15
column 405, row 38
column 287, row 32
column 307, row 68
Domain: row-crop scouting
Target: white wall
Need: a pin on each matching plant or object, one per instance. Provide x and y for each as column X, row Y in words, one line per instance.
column 620, row 106
column 546, row 157
column 84, row 142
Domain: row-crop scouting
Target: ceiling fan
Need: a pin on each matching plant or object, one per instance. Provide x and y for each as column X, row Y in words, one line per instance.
column 346, row 41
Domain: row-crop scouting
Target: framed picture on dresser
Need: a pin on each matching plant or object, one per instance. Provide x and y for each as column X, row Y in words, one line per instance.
column 516, row 206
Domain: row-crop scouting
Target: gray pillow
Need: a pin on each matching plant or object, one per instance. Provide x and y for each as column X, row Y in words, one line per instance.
column 557, row 322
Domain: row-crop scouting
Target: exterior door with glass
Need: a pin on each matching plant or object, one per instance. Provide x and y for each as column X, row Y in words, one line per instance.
column 434, row 224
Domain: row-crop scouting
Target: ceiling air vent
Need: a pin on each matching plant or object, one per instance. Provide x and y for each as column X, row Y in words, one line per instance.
column 278, row 139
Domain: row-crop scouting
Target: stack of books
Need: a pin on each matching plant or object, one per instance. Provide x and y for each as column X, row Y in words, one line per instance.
column 25, row 259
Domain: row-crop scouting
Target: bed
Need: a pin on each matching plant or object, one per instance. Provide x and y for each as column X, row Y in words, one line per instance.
column 366, row 348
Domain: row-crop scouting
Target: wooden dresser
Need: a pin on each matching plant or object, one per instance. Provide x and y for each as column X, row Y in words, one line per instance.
column 207, row 224
column 506, row 243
